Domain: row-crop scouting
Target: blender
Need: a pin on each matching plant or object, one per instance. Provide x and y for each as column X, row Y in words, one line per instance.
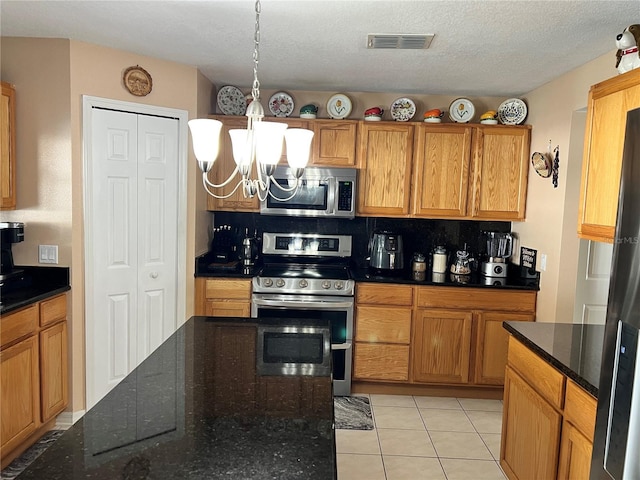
column 499, row 246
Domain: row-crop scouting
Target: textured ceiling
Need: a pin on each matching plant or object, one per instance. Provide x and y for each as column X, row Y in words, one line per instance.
column 481, row 47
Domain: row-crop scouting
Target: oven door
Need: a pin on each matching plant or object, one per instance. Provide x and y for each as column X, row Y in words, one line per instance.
column 339, row 312
column 293, row 350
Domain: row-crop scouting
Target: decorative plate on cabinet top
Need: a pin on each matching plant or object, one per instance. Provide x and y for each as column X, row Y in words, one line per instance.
column 281, row 104
column 461, row 110
column 339, row 106
column 512, row 112
column 403, row 109
column 231, row 100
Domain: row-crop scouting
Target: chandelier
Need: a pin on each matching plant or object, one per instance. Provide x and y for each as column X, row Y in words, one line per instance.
column 256, row 149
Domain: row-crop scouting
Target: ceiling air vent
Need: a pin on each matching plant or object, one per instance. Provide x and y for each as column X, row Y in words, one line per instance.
column 410, row 42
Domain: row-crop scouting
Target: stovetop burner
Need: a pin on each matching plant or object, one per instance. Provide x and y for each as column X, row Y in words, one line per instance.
column 309, row 271
column 296, row 270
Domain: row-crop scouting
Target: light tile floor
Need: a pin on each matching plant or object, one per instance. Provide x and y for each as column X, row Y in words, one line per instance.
column 424, row 438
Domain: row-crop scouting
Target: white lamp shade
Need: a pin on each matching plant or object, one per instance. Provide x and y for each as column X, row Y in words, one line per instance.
column 298, row 146
column 205, row 136
column 269, row 139
column 242, row 145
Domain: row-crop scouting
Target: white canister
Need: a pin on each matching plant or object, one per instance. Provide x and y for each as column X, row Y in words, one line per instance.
column 440, row 260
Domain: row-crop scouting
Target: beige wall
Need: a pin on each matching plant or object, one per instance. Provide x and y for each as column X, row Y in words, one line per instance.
column 552, row 215
column 50, row 77
column 39, row 70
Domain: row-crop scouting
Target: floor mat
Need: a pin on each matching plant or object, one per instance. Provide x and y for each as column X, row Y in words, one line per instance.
column 352, row 413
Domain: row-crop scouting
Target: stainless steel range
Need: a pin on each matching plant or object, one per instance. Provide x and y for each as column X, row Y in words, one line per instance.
column 307, row 276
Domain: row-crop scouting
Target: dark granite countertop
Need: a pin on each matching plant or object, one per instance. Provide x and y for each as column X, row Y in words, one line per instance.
column 197, row 409
column 449, row 280
column 206, row 268
column 35, row 284
column 573, row 349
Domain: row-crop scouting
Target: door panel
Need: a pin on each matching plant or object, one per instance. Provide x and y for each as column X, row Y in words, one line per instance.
column 592, row 284
column 133, row 207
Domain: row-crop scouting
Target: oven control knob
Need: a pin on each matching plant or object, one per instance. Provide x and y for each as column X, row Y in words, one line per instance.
column 279, row 282
column 303, row 283
column 268, row 282
column 326, row 285
column 339, row 285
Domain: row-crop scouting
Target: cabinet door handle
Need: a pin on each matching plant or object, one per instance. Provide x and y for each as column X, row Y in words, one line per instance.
column 153, row 274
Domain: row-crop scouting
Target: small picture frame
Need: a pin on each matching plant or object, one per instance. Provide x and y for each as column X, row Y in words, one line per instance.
column 137, row 81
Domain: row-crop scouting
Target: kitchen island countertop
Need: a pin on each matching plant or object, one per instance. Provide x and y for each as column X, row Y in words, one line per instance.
column 196, row 408
column 573, row 349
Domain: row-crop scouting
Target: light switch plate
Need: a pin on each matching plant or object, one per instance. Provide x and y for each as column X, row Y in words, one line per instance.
column 48, row 254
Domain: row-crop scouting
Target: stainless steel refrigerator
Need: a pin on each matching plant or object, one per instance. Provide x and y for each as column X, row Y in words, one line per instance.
column 616, row 448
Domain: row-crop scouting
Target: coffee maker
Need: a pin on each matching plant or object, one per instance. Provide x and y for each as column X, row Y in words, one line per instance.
column 10, row 233
column 499, row 247
column 386, row 251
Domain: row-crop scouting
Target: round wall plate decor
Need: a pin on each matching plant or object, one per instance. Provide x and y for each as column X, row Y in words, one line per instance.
column 339, row 106
column 512, row 112
column 281, row 104
column 461, row 110
column 137, row 81
column 231, row 100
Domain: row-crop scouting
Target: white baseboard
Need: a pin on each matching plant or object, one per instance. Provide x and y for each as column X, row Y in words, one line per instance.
column 66, row 420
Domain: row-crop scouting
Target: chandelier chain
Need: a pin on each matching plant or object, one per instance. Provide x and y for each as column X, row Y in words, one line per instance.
column 255, row 90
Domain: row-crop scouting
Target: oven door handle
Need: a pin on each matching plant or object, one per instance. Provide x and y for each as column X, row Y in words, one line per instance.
column 341, row 346
column 308, row 305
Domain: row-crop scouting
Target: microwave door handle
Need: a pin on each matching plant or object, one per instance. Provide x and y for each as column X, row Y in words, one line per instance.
column 331, row 194
column 341, row 346
column 293, row 303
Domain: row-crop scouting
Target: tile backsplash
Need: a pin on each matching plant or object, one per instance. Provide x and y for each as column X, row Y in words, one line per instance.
column 418, row 235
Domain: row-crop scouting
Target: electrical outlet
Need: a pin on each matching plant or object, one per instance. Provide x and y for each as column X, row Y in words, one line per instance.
column 48, row 254
column 543, row 262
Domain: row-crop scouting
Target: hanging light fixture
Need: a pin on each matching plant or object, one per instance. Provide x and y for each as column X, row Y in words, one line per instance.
column 260, row 144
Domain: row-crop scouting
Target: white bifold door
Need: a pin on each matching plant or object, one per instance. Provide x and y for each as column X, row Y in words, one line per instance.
column 131, row 210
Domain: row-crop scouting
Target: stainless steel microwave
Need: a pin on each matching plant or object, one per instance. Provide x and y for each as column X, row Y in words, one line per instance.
column 324, row 192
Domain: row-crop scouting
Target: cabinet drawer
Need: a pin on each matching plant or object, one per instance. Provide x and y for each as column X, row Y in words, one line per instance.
column 384, row 294
column 547, row 381
column 381, row 362
column 18, row 324
column 53, row 310
column 580, row 409
column 229, row 288
column 383, row 324
column 476, row 299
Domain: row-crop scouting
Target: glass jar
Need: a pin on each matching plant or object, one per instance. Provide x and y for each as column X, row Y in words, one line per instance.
column 461, row 265
column 419, row 266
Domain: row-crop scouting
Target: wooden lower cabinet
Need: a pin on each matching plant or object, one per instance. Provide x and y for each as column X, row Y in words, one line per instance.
column 435, row 336
column 530, row 432
column 33, row 372
column 382, row 332
column 441, row 346
column 20, row 394
column 223, row 297
column 53, row 370
column 381, row 362
column 492, row 345
column 575, row 454
column 548, row 421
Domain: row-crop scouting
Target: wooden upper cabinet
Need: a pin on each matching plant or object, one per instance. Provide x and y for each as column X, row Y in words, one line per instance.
column 607, row 108
column 441, row 178
column 385, row 158
column 224, row 166
column 500, row 171
column 334, row 143
column 7, row 148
